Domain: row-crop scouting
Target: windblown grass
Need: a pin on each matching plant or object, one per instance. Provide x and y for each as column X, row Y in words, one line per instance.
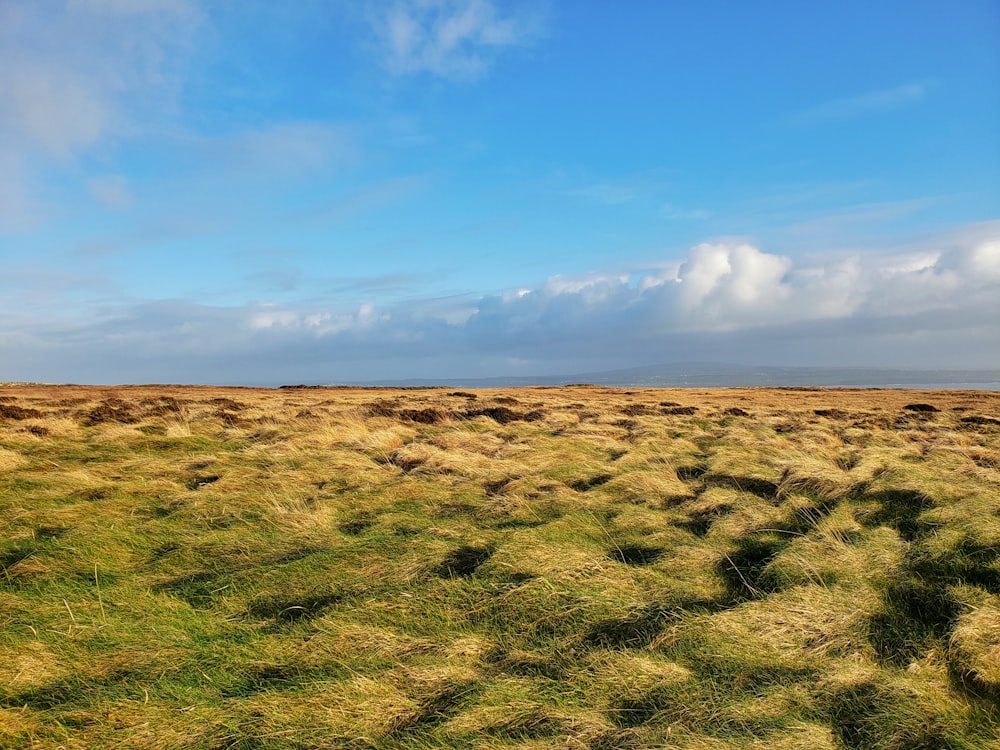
column 537, row 568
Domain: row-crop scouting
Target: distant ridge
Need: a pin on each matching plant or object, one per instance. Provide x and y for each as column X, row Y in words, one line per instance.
column 715, row 375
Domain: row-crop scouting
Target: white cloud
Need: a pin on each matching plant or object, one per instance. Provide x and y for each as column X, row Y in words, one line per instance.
column 725, row 287
column 590, row 285
column 457, row 39
column 982, row 262
column 274, row 318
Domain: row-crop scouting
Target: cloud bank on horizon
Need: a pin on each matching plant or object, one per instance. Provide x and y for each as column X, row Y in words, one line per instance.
column 732, row 301
column 434, row 188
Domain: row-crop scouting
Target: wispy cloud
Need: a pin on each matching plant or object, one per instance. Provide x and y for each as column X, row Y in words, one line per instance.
column 111, row 191
column 366, row 198
column 67, row 72
column 456, row 39
column 870, row 102
column 19, row 209
column 840, row 221
column 164, row 227
column 610, row 194
column 674, row 213
column 76, row 79
column 281, row 149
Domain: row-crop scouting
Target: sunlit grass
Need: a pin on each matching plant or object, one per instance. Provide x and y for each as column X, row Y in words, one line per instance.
column 536, row 568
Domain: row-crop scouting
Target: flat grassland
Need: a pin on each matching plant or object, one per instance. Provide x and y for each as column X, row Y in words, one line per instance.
column 575, row 567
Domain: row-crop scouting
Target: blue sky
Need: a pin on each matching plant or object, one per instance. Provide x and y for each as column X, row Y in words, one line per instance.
column 259, row 192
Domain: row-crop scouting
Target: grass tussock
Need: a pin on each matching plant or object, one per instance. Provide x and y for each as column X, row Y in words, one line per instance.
column 569, row 567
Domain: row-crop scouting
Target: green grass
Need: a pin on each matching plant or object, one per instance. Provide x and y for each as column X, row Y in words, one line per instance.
column 538, row 568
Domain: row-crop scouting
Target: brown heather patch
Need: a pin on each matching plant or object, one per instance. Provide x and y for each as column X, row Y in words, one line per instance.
column 576, row 567
column 10, row 411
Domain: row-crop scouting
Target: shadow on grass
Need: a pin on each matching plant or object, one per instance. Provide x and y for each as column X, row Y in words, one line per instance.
column 917, row 615
column 873, row 715
column 762, row 488
column 639, row 627
column 636, row 554
column 463, row 561
column 283, row 609
column 744, row 569
column 699, row 523
column 899, row 510
column 582, row 485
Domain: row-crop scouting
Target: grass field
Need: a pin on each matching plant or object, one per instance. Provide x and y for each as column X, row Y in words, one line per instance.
column 571, row 567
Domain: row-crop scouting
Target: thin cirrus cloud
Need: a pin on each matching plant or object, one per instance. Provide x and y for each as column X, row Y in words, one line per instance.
column 871, row 102
column 671, row 213
column 839, row 222
column 608, row 194
column 111, row 191
column 454, row 39
column 283, row 149
column 724, row 301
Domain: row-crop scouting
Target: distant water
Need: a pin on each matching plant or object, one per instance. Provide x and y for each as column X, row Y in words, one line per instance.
column 994, row 386
column 714, row 376
column 695, row 382
column 679, row 375
column 678, row 383
column 991, row 386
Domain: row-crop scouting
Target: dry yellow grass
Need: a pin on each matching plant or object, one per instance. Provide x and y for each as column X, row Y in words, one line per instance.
column 572, row 567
